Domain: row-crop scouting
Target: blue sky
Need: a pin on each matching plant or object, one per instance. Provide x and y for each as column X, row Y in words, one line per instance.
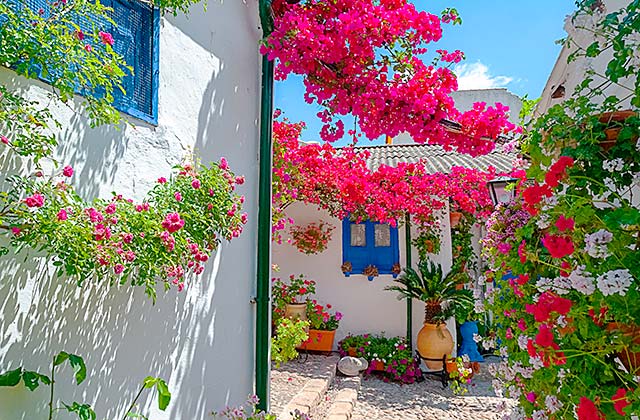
column 507, row 43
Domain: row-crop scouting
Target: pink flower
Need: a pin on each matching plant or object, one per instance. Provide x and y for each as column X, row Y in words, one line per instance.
column 36, row 200
column 88, row 48
column 16, row 231
column 564, row 223
column 127, row 238
column 172, row 222
column 110, row 209
column 177, row 196
column 118, row 268
column 195, row 183
column 338, row 316
column 239, row 180
column 130, row 256
column 106, row 38
column 244, row 218
column 4, row 140
column 94, row 215
column 62, row 215
column 79, row 34
column 101, row 232
column 531, row 397
column 67, row 171
column 162, row 180
column 223, row 164
column 39, row 174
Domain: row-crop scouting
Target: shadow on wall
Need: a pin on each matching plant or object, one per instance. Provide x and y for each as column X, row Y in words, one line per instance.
column 200, row 340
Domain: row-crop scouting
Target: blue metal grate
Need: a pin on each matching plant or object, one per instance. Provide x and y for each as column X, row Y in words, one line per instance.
column 136, row 38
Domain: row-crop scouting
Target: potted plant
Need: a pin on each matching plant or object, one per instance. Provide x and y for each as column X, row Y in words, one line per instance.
column 290, row 298
column 442, row 301
column 312, row 238
column 371, row 271
column 322, row 327
column 346, row 268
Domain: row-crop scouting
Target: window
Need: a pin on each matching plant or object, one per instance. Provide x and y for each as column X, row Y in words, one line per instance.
column 370, row 243
column 136, row 38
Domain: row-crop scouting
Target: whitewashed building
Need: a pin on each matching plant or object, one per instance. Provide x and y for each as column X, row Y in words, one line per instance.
column 205, row 97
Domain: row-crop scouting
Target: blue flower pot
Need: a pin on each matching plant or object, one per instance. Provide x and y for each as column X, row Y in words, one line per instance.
column 347, row 273
column 468, row 346
column 370, row 278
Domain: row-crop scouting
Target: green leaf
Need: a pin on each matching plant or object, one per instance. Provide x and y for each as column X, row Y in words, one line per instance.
column 83, row 411
column 32, row 379
column 149, row 382
column 60, row 358
column 164, row 396
column 11, row 378
column 78, row 364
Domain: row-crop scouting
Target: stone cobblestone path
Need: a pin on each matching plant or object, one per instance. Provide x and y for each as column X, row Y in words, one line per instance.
column 378, row 400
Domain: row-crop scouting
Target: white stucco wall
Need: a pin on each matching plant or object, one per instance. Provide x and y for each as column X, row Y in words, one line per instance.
column 464, row 100
column 570, row 75
column 366, row 306
column 200, row 340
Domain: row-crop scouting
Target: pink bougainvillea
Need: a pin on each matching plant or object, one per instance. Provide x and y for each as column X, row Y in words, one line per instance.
column 360, row 57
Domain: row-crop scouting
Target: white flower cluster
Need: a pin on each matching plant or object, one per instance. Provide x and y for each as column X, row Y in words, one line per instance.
column 536, row 362
column 522, row 341
column 544, row 221
column 553, row 403
column 614, row 165
column 615, row 281
column 516, row 414
column 582, row 281
column 560, row 285
column 596, row 243
column 539, row 415
column 477, row 337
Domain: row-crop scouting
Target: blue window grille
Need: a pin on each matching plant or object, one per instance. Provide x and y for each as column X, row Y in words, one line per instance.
column 370, row 243
column 136, row 37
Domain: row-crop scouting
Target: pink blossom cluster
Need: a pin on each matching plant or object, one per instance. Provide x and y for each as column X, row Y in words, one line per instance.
column 359, row 57
column 338, row 180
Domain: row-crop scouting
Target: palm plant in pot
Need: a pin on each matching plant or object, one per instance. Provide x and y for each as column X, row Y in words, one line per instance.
column 442, row 301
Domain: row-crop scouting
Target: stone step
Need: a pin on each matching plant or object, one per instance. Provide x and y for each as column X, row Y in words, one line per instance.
column 344, row 401
column 313, row 391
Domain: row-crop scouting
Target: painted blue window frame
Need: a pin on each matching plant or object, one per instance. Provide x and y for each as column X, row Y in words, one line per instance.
column 360, row 257
column 125, row 103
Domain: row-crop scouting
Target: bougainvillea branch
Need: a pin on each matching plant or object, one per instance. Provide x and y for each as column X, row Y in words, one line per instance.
column 360, row 57
column 339, row 181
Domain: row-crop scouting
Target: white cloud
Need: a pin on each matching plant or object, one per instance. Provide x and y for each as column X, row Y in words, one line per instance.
column 477, row 76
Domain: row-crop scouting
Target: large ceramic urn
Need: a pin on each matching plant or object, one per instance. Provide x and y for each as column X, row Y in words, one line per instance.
column 434, row 340
column 295, row 311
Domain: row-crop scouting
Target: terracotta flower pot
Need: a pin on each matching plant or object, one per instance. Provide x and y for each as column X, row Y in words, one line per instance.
column 434, row 342
column 454, row 218
column 351, row 351
column 376, row 365
column 295, row 311
column 319, row 340
column 612, row 133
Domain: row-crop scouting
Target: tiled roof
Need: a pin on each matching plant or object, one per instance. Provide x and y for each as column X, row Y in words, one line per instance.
column 435, row 158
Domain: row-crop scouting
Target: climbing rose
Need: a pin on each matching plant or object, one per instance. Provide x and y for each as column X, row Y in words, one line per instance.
column 195, row 183
column 172, row 222
column 62, row 215
column 223, row 164
column 36, row 200
column 67, row 171
column 101, row 232
column 162, row 180
column 177, row 196
column 106, row 38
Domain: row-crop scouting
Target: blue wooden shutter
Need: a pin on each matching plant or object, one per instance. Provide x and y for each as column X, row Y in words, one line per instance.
column 136, row 37
column 383, row 257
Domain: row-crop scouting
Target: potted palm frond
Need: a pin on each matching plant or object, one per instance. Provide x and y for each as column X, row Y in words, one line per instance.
column 442, row 301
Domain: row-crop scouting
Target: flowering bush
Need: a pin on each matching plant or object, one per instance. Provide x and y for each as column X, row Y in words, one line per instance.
column 501, row 227
column 296, row 290
column 460, row 374
column 171, row 233
column 320, row 318
column 567, row 280
column 394, row 353
column 339, row 181
column 312, row 238
column 373, row 72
